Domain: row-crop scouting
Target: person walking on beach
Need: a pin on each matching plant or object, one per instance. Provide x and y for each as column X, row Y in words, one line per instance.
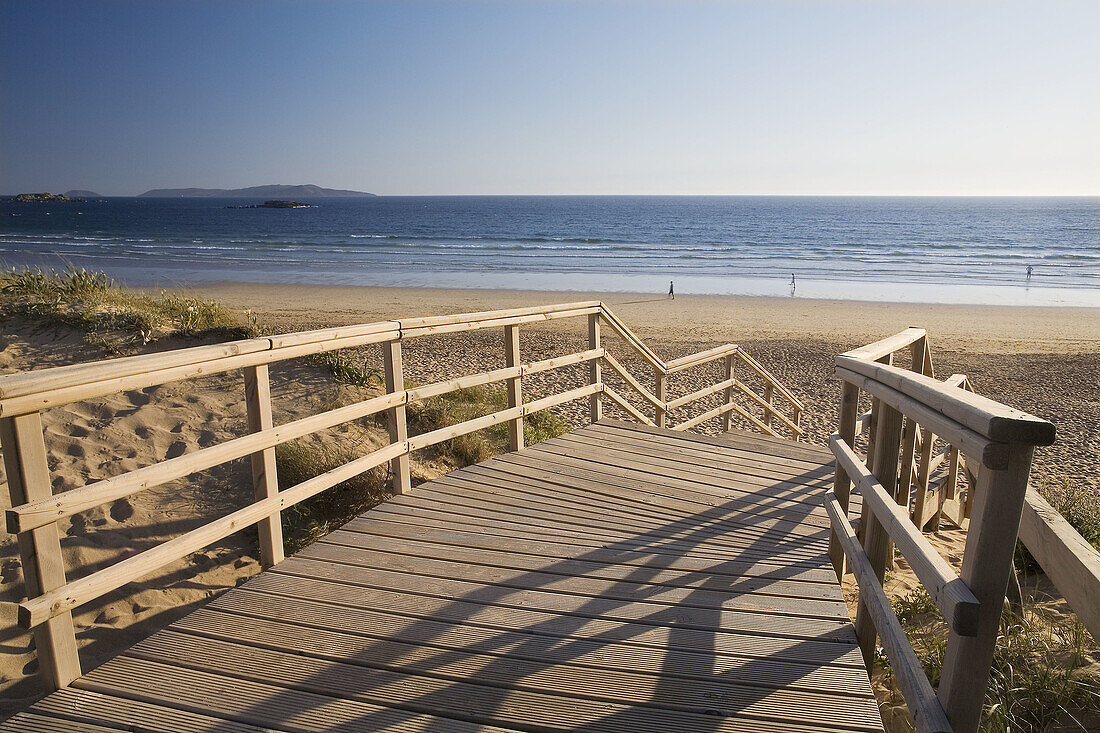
column 671, row 293
column 1029, row 269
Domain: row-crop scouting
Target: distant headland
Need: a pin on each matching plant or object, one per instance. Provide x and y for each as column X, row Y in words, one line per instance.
column 274, row 191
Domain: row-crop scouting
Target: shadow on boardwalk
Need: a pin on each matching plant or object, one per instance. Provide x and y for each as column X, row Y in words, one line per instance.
column 470, row 604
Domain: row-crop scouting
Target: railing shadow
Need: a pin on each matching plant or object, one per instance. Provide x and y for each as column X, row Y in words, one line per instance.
column 699, row 677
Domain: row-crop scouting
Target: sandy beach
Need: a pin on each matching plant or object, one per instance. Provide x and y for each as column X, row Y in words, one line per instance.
column 1045, row 360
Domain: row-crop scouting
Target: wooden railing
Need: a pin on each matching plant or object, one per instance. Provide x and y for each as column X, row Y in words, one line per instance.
column 909, row 409
column 36, row 511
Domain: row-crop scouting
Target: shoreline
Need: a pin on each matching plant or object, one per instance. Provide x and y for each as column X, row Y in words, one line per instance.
column 977, row 328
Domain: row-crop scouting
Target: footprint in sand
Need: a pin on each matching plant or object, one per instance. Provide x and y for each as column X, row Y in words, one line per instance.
column 122, row 510
column 176, row 449
column 10, row 572
column 143, row 432
column 79, row 431
column 76, row 450
column 78, row 526
column 206, row 438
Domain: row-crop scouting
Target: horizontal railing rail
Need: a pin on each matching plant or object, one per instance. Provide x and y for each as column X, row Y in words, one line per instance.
column 36, row 511
column 910, row 411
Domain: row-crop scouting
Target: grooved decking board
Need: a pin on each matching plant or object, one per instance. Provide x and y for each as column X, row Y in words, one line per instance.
column 619, row 578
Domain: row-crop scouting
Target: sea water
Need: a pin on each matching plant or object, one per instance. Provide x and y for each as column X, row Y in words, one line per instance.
column 944, row 250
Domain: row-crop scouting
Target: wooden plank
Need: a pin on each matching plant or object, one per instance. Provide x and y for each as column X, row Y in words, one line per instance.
column 595, row 408
column 515, row 386
column 600, row 709
column 730, row 453
column 553, row 578
column 699, row 358
column 75, row 706
column 630, row 513
column 982, row 415
column 919, row 696
column 789, row 524
column 954, row 600
column 629, row 379
column 1072, row 564
column 761, row 444
column 58, row 602
column 396, row 422
column 986, row 567
column 730, row 376
column 718, row 483
column 875, row 538
column 455, row 537
column 991, row 453
column 33, row 721
column 457, row 637
column 842, row 484
column 629, row 408
column 781, row 503
column 522, row 668
column 633, row 499
column 489, row 553
column 279, row 707
column 633, row 453
column 799, row 553
column 28, row 477
column 51, row 509
column 768, row 377
column 652, row 611
column 887, row 346
column 660, row 388
column 492, row 614
column 265, row 475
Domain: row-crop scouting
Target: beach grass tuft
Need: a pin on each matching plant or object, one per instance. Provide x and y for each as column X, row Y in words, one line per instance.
column 312, row 519
column 1042, row 678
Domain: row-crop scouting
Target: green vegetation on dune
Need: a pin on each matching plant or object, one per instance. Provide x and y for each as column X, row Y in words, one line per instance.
column 125, row 321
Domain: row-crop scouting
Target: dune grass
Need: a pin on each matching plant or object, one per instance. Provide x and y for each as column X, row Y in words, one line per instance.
column 120, row 320
column 1040, row 679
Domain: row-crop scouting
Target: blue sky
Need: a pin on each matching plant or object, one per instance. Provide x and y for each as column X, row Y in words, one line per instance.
column 937, row 98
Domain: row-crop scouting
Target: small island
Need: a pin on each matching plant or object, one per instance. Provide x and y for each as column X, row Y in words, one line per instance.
column 44, row 197
column 273, row 205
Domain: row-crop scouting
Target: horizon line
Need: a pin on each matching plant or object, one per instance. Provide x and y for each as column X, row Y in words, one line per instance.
column 370, row 194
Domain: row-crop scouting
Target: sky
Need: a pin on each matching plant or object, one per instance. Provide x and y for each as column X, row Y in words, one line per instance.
column 568, row 97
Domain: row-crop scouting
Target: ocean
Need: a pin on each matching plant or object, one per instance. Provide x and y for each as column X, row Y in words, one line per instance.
column 940, row 250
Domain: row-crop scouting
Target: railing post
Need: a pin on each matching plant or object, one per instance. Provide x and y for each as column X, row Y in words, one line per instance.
column 660, row 391
column 399, row 431
column 876, row 542
column 769, row 395
column 872, row 434
column 265, row 477
column 595, row 376
column 986, row 566
column 842, row 484
column 727, row 416
column 515, row 386
column 39, row 549
column 924, row 475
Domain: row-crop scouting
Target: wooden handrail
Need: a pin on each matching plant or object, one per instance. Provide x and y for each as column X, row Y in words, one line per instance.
column 955, row 601
column 928, row 713
column 36, row 511
column 910, row 409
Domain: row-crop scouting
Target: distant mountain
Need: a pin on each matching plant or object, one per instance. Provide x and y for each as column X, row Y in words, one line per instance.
column 80, row 193
column 273, row 191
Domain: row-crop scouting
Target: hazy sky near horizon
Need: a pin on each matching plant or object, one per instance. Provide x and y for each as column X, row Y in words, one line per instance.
column 570, row 97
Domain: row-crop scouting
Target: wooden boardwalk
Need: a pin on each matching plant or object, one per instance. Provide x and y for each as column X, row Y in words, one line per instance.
column 618, row 578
